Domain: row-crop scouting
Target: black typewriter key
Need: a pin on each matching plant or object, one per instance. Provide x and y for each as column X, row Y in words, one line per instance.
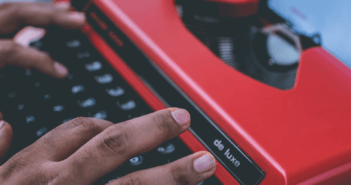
column 93, row 66
column 29, row 124
column 41, row 131
column 78, row 89
column 87, row 103
column 62, row 108
column 83, row 55
column 136, row 161
column 92, row 107
column 166, row 148
column 73, row 44
column 99, row 115
column 135, row 164
column 32, row 128
column 58, row 108
column 115, row 91
column 104, row 79
column 59, row 111
column 127, row 105
column 30, row 119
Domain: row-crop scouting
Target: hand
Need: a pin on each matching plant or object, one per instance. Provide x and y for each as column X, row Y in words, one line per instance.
column 83, row 150
column 15, row 16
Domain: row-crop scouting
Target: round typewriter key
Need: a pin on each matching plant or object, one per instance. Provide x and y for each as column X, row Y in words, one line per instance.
column 169, row 148
column 135, row 161
column 41, row 131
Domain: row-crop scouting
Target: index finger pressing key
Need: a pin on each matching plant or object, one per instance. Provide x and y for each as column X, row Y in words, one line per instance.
column 118, row 143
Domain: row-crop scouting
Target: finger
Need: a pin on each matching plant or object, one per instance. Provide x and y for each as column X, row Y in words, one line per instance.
column 5, row 138
column 118, row 143
column 65, row 139
column 191, row 170
column 1, row 116
column 63, row 5
column 14, row 54
column 14, row 16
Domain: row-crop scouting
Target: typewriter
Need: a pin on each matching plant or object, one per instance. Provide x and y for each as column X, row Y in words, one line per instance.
column 267, row 89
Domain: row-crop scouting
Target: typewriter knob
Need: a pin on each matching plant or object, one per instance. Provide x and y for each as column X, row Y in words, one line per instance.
column 277, row 48
column 281, row 52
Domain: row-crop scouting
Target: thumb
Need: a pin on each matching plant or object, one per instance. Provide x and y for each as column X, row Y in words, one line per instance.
column 5, row 138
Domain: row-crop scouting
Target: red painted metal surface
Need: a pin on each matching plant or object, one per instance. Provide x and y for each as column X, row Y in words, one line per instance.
column 296, row 136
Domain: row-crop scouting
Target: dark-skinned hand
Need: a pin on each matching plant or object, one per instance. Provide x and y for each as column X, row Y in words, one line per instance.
column 84, row 149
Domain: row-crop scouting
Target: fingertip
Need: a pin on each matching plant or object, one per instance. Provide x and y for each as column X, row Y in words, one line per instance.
column 181, row 116
column 61, row 69
column 63, row 5
column 204, row 162
column 77, row 17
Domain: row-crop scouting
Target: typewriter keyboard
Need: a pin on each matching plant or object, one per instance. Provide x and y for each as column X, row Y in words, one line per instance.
column 35, row 103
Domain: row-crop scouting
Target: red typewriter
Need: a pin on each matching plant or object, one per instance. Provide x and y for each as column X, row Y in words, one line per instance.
column 267, row 83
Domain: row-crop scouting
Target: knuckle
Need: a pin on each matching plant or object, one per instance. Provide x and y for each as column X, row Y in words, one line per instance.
column 179, row 176
column 14, row 164
column 114, row 141
column 27, row 165
column 85, row 125
column 65, row 177
column 42, row 176
column 163, row 123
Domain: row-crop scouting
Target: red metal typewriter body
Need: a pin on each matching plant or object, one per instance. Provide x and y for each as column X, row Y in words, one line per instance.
column 292, row 136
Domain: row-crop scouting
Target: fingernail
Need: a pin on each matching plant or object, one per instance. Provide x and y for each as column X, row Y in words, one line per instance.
column 181, row 116
column 63, row 5
column 204, row 163
column 77, row 17
column 61, row 69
